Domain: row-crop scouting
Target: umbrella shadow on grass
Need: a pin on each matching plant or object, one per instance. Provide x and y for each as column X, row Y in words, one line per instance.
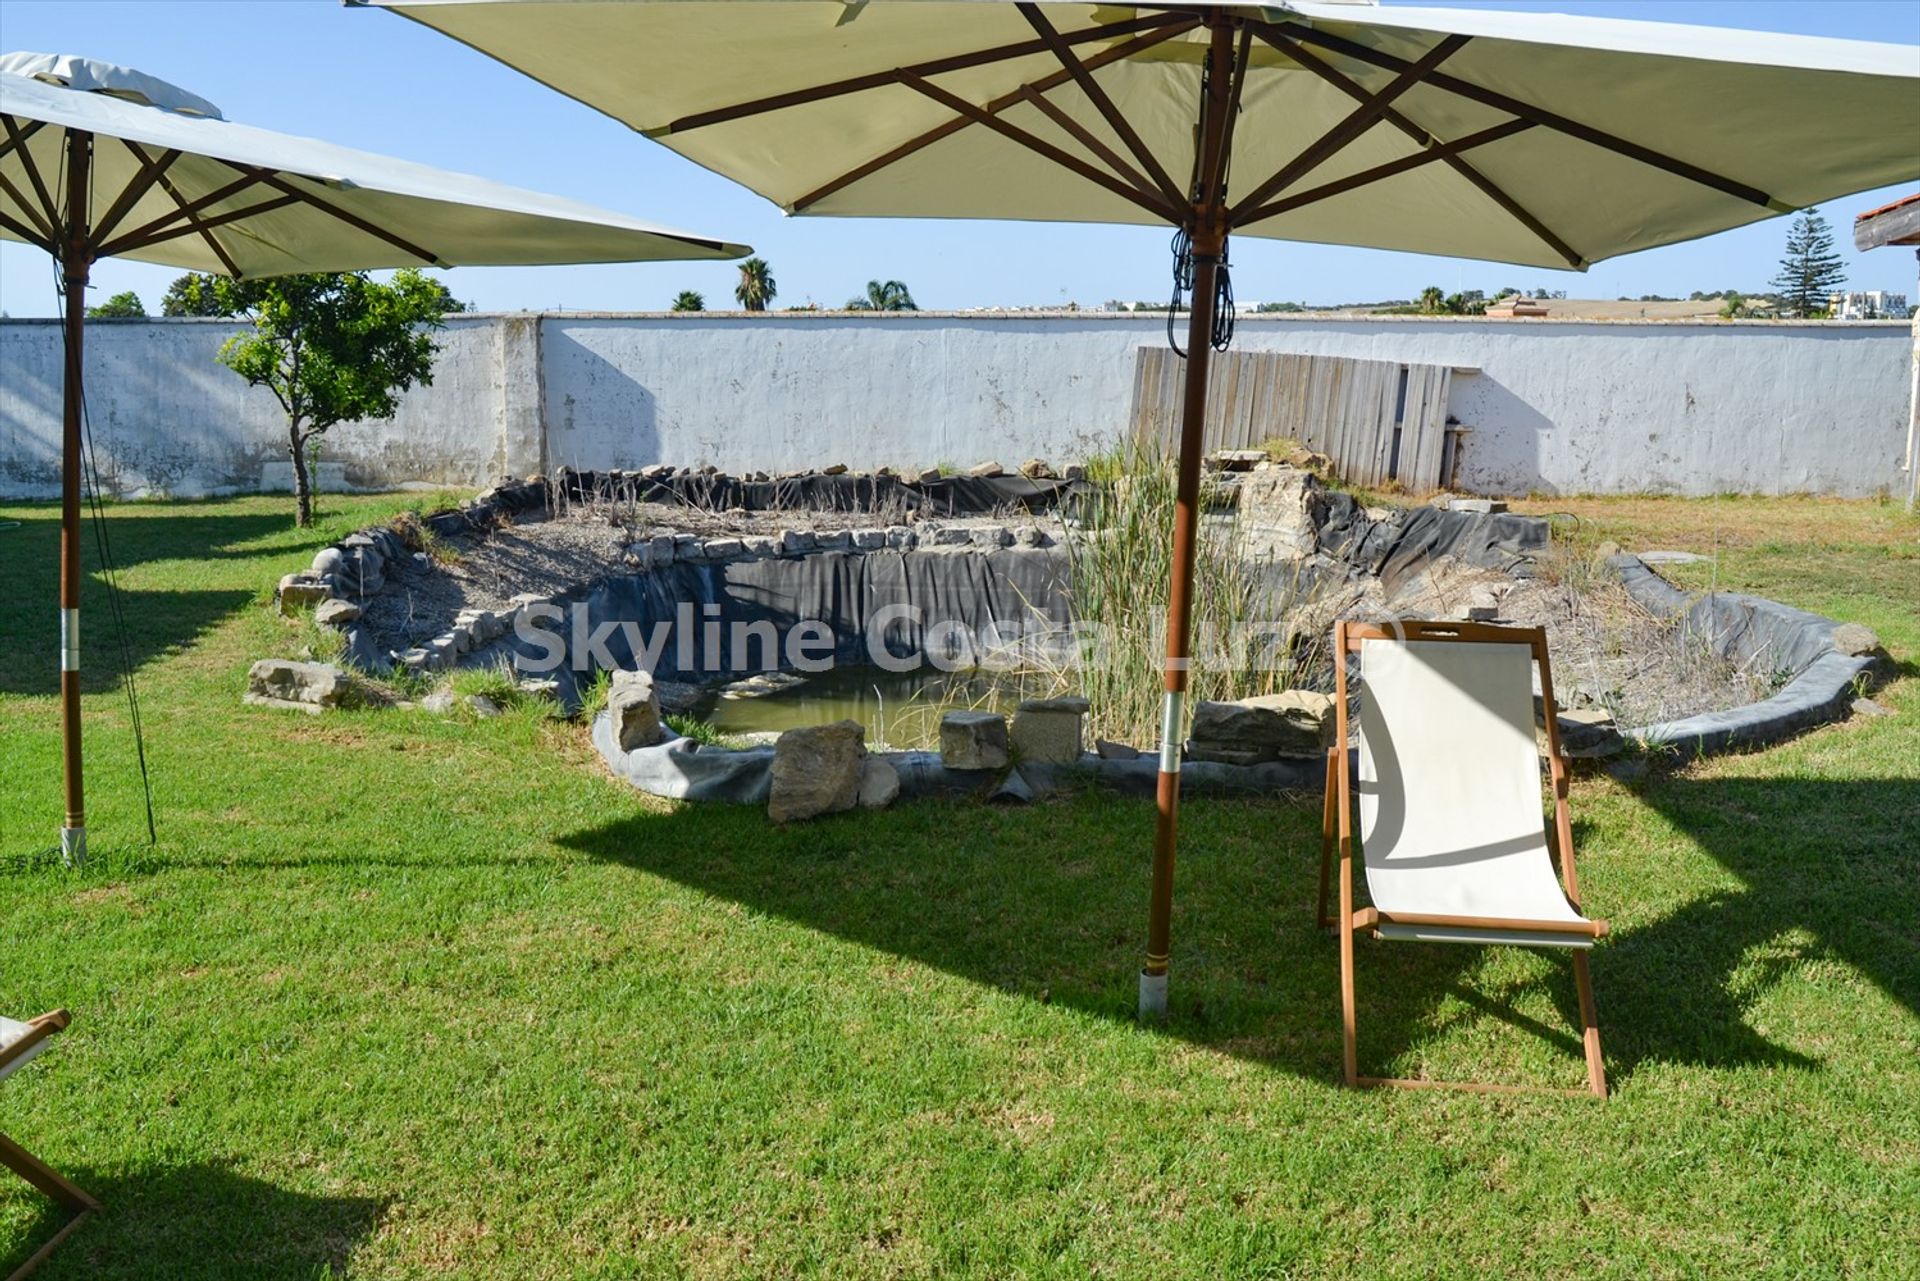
column 201, row 1220
column 1050, row 901
column 1827, row 871
column 158, row 621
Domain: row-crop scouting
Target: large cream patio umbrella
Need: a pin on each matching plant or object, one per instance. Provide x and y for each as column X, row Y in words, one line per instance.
column 99, row 161
column 1517, row 137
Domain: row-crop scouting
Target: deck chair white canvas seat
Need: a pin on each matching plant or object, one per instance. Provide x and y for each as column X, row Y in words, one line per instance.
column 19, row 1044
column 1452, row 834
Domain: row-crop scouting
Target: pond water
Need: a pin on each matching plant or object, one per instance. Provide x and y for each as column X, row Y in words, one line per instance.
column 901, row 709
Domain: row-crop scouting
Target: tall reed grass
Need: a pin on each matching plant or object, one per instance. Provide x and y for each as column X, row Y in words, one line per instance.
column 1121, row 557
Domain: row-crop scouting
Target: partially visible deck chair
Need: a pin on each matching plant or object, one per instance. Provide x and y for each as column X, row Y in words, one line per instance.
column 1451, row 826
column 20, row 1042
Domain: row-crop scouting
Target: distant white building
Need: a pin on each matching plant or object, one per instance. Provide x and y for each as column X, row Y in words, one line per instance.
column 1871, row 304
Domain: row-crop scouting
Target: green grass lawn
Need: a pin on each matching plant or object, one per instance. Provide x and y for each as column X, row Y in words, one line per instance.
column 406, row 996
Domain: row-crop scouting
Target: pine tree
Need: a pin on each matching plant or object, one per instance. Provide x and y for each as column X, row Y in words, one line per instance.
column 1812, row 270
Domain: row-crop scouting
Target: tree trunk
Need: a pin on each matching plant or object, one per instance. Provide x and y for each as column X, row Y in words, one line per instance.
column 302, row 493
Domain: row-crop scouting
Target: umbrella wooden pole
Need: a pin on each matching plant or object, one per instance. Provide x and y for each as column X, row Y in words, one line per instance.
column 1208, row 227
column 75, row 258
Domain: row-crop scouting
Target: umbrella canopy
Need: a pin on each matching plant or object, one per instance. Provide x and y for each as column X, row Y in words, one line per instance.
column 1529, row 138
column 174, row 183
column 1526, row 138
column 103, row 161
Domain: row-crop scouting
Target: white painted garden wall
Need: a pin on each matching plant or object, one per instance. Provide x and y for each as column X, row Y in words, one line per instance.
column 1566, row 407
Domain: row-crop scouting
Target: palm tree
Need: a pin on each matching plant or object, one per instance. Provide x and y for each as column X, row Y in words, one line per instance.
column 756, row 288
column 689, row 300
column 1433, row 300
column 887, row 295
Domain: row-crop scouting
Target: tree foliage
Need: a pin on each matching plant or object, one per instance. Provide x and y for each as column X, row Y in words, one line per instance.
column 1811, row 270
column 331, row 347
column 756, row 287
column 689, row 300
column 884, row 295
column 122, row 306
column 191, row 295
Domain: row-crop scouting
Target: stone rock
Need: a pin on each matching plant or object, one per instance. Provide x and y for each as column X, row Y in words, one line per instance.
column 1048, row 729
column 301, row 591
column 834, row 469
column 835, row 540
column 1295, row 722
column 1854, row 640
column 1235, row 459
column 1867, row 707
column 1036, row 469
column 678, row 696
column 927, row 477
column 868, row 540
column 439, row 702
column 817, row 770
column 328, row 560
column 1672, row 558
column 539, row 687
column 1032, row 536
column 901, row 537
column 879, row 784
column 973, row 740
column 1108, row 750
column 948, row 536
column 638, row 556
column 993, row 536
column 1219, row 755
column 335, row 613
column 442, row 649
column 1605, row 552
column 725, row 549
column 525, row 599
column 1280, row 513
column 884, row 470
column 759, row 547
column 986, row 470
column 1073, row 471
column 308, row 687
column 1309, row 460
column 793, row 542
column 487, row 626
column 1478, row 506
column 634, row 709
column 1589, row 732
column 483, row 707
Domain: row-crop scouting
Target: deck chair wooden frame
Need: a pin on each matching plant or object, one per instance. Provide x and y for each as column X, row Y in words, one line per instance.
column 13, row 1055
column 1337, row 833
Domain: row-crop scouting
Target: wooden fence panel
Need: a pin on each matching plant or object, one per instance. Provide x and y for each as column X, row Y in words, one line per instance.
column 1377, row 420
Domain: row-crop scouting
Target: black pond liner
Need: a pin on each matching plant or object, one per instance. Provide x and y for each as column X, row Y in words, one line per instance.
column 1751, row 629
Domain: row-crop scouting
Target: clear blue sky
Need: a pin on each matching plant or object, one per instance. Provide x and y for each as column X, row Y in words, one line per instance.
column 379, row 82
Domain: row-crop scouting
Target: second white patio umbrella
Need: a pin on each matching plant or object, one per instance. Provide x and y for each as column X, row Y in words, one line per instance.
column 1518, row 137
column 99, row 161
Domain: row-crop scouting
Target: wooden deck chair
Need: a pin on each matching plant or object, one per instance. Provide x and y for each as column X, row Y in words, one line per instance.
column 20, row 1042
column 1451, row 826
